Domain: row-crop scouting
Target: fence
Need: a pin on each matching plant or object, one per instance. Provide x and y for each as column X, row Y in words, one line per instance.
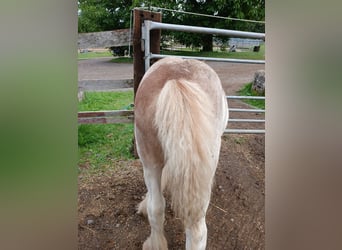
column 147, row 31
column 148, row 26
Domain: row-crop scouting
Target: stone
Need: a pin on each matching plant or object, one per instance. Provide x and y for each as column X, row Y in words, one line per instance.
column 89, row 222
column 258, row 84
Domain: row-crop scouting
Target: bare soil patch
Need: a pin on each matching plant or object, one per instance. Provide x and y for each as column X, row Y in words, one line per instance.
column 235, row 218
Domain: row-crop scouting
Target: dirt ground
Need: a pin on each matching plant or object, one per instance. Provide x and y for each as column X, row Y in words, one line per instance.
column 235, row 218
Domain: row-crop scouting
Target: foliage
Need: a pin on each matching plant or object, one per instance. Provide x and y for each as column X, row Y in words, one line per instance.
column 247, row 91
column 102, row 15
column 95, row 15
column 245, row 9
column 119, row 50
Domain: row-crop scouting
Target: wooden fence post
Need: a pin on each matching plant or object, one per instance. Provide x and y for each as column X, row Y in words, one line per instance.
column 138, row 55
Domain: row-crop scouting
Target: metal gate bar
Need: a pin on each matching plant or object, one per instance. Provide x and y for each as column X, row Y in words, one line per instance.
column 245, row 131
column 246, row 120
column 150, row 25
column 247, row 110
column 204, row 30
column 245, row 97
column 151, row 56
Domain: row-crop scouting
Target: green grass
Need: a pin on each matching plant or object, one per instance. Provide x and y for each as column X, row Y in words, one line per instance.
column 236, row 55
column 94, row 54
column 122, row 60
column 100, row 146
column 247, row 91
column 94, row 101
column 183, row 52
column 218, row 54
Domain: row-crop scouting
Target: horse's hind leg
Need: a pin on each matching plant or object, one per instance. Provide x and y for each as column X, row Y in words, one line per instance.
column 155, row 204
column 196, row 235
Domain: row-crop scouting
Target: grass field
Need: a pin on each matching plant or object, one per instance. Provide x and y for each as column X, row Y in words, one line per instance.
column 101, row 145
column 247, row 91
column 236, row 55
column 184, row 52
column 94, row 54
column 122, row 60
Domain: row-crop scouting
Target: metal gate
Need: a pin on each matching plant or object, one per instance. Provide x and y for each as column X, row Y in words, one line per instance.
column 148, row 25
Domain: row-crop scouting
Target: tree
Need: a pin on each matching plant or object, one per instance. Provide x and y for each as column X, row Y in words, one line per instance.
column 98, row 15
column 243, row 9
column 102, row 15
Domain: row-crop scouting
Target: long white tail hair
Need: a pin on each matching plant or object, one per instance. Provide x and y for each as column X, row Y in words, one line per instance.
column 184, row 121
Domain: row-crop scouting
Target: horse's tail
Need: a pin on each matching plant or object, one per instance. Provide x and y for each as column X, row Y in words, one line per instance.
column 185, row 123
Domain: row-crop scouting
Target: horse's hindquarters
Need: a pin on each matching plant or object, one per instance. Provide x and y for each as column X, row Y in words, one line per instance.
column 180, row 115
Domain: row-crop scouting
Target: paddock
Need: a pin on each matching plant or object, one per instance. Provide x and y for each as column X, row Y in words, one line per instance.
column 235, row 218
column 107, row 218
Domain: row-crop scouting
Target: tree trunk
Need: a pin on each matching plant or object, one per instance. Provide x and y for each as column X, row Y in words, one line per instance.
column 207, row 43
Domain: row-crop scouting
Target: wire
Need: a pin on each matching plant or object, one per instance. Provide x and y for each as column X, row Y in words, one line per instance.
column 198, row 14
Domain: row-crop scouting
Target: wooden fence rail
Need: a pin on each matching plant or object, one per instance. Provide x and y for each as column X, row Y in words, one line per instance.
column 108, row 117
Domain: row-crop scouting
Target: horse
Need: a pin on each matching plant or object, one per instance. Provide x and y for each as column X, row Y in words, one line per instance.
column 180, row 115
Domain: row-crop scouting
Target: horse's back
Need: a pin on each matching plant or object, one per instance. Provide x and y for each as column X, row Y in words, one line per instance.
column 173, row 68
